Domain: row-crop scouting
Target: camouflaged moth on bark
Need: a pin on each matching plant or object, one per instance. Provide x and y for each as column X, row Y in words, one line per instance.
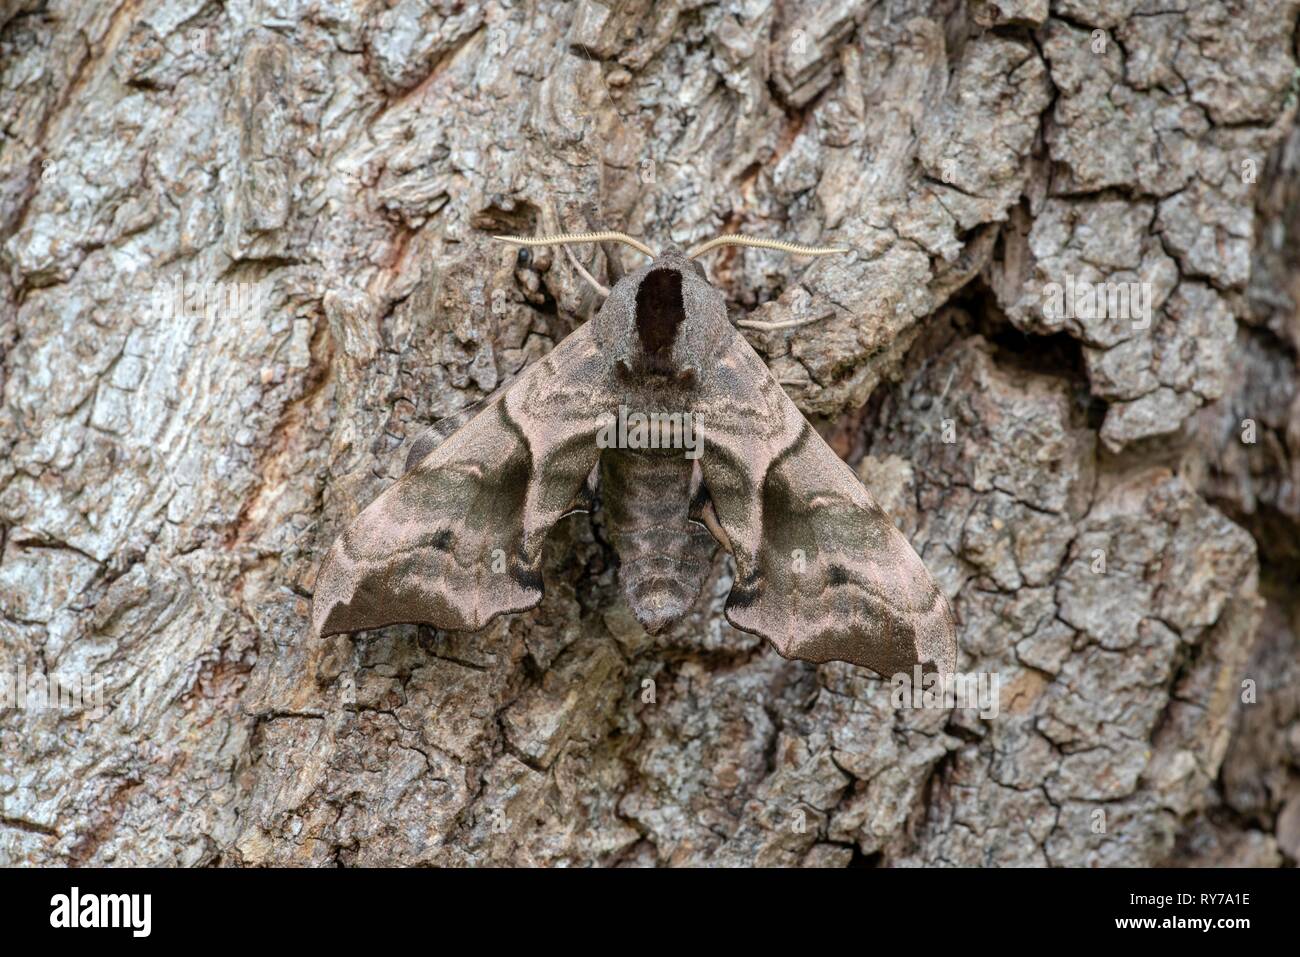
column 821, row 571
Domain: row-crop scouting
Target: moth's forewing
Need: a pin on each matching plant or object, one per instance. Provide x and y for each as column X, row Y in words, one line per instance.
column 821, row 571
column 459, row 538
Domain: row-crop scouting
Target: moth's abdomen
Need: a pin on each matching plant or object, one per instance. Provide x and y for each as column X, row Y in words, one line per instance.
column 664, row 557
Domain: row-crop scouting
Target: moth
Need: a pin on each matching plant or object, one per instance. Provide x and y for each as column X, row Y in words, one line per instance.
column 821, row 571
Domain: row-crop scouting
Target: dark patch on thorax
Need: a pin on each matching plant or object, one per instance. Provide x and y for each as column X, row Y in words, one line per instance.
column 659, row 310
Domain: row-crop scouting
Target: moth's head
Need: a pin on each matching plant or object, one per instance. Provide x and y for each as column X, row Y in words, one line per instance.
column 666, row 319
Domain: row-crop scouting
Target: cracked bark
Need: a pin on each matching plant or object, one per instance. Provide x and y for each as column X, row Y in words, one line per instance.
column 166, row 486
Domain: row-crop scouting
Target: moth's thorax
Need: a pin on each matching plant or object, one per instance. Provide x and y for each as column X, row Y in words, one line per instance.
column 662, row 324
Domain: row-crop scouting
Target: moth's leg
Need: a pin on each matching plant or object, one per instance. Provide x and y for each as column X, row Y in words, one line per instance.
column 582, row 271
column 613, row 262
column 777, row 326
column 585, row 499
column 702, row 512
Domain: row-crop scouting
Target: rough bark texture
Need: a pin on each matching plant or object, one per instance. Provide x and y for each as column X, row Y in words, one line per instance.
column 167, row 484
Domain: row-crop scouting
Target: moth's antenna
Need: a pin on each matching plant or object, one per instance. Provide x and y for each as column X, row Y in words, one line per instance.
column 796, row 249
column 561, row 239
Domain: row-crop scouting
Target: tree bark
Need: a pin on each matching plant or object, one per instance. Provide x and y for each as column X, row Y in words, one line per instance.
column 246, row 258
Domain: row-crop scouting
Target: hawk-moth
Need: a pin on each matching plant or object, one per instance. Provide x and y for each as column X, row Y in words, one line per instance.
column 820, row 570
